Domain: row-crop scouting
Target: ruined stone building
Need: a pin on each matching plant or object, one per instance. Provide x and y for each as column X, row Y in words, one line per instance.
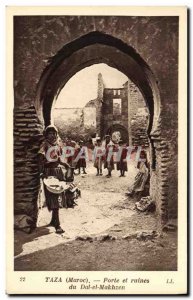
column 119, row 112
column 49, row 50
column 76, row 123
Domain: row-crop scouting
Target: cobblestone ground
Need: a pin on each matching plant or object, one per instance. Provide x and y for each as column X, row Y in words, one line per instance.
column 101, row 233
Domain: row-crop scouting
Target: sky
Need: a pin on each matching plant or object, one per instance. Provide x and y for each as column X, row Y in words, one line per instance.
column 82, row 87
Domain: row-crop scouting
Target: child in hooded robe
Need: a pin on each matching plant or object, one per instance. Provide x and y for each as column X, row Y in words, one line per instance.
column 51, row 165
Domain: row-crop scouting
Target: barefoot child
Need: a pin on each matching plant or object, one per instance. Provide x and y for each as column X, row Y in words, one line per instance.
column 98, row 157
column 122, row 162
column 81, row 158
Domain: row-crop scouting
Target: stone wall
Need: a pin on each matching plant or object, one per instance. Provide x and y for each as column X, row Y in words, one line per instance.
column 136, row 99
column 138, row 116
column 139, row 126
column 77, row 123
column 98, row 103
column 89, row 114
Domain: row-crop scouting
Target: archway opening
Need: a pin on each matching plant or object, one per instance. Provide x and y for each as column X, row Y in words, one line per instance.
column 118, row 132
column 96, row 48
column 76, row 111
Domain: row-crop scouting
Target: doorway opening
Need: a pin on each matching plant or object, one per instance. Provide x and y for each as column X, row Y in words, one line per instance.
column 97, row 48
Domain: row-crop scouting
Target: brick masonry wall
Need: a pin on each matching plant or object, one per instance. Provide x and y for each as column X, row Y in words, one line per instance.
column 27, row 138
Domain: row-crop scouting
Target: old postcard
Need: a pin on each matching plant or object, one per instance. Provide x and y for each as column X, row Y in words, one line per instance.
column 97, row 150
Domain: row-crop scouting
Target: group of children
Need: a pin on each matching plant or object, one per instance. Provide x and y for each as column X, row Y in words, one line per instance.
column 73, row 160
column 102, row 156
column 105, row 155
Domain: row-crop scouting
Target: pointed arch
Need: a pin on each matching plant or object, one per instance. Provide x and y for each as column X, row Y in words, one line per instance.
column 96, row 47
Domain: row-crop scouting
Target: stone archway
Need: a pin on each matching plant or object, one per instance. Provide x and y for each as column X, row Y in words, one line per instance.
column 119, row 129
column 97, row 47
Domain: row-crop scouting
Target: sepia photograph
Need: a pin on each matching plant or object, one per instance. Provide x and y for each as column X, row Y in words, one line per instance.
column 96, row 147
